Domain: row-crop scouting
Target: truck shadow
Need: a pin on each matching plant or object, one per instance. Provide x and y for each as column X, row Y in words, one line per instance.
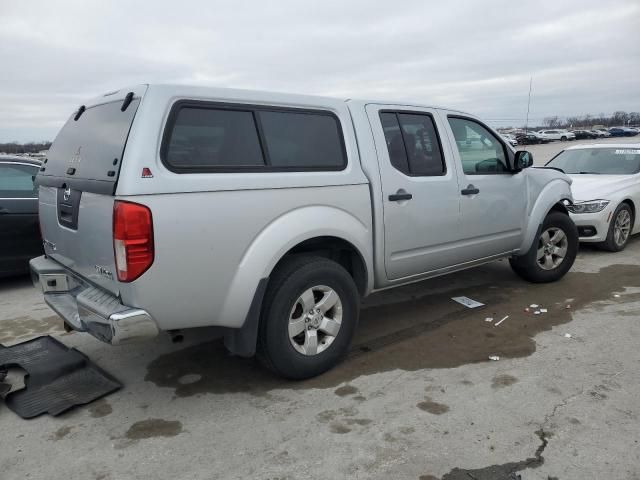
column 416, row 327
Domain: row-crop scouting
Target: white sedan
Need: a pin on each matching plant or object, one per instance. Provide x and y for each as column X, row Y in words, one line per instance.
column 606, row 191
column 556, row 134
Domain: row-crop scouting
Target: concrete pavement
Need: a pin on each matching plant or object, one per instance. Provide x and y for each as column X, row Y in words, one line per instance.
column 417, row 397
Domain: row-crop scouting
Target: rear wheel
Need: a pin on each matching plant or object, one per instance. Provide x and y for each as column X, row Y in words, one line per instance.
column 619, row 229
column 552, row 254
column 563, row 139
column 309, row 317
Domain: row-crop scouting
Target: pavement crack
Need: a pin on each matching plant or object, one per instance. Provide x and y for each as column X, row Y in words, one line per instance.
column 566, row 401
column 508, row 471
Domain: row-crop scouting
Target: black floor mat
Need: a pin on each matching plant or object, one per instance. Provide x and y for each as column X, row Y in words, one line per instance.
column 58, row 378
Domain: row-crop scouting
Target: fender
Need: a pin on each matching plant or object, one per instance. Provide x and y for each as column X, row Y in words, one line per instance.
column 280, row 236
column 552, row 193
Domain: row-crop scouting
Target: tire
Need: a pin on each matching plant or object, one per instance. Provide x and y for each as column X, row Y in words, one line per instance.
column 563, row 139
column 618, row 235
column 548, row 260
column 289, row 306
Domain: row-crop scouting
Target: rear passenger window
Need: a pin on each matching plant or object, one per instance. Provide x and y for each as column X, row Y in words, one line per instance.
column 412, row 142
column 204, row 137
column 201, row 138
column 302, row 140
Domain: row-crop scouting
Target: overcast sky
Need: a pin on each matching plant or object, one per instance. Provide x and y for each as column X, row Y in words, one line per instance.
column 477, row 56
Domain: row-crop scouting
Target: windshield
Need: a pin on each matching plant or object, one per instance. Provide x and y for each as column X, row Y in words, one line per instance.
column 602, row 161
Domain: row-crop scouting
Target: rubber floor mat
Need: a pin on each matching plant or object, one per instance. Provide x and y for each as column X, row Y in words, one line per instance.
column 58, row 378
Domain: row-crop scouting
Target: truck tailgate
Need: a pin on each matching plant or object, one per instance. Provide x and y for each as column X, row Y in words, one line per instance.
column 88, row 249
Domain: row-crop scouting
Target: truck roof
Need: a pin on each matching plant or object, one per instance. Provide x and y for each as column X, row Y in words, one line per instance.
column 244, row 95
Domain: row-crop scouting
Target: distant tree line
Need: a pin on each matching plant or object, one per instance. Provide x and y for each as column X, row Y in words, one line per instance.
column 619, row 118
column 30, row 147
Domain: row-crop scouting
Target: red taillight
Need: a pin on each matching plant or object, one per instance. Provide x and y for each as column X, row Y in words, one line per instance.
column 132, row 239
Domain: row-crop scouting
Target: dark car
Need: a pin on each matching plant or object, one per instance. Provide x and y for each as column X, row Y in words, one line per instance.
column 530, row 138
column 623, row 132
column 19, row 230
column 584, row 134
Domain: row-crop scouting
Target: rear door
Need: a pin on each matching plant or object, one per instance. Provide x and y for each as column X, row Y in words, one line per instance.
column 19, row 234
column 77, row 184
column 420, row 190
column 493, row 199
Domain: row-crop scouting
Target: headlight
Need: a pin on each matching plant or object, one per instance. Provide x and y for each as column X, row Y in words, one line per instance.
column 590, row 206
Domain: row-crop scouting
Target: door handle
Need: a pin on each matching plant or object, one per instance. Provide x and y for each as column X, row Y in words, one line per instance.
column 470, row 190
column 398, row 197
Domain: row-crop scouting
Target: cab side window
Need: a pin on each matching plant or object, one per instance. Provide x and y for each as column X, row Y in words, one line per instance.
column 207, row 137
column 412, row 143
column 480, row 150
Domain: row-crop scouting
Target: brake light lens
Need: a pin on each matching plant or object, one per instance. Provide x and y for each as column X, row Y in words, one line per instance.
column 132, row 239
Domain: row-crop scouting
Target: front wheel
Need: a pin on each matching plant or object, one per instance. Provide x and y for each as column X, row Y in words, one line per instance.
column 309, row 317
column 552, row 254
column 619, row 229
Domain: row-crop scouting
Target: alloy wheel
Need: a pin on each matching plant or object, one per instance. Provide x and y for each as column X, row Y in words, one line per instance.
column 552, row 248
column 622, row 227
column 315, row 320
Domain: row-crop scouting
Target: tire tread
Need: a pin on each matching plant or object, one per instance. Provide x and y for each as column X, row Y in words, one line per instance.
column 526, row 265
column 297, row 263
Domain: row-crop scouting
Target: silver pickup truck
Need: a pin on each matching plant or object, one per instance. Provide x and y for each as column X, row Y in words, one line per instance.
column 171, row 207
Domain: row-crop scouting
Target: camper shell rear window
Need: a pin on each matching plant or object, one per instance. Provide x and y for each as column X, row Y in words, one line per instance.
column 87, row 153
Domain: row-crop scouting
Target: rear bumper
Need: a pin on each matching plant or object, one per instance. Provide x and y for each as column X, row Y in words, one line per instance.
column 86, row 308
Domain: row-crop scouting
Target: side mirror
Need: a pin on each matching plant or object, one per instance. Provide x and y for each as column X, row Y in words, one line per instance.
column 523, row 159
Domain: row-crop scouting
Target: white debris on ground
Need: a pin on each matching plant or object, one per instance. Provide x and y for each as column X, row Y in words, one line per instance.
column 467, row 302
column 494, row 358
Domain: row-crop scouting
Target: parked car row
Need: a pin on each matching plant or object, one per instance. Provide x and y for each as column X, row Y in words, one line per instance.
column 549, row 135
column 623, row 132
column 600, row 133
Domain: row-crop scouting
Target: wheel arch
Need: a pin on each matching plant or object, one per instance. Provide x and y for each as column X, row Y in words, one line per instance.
column 340, row 236
column 634, row 225
column 340, row 251
column 552, row 198
column 632, row 205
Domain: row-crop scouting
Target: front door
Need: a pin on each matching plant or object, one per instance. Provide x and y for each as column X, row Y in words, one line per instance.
column 493, row 199
column 420, row 190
